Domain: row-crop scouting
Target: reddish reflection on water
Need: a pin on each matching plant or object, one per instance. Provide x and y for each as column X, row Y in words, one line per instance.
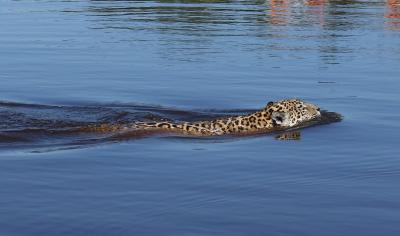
column 393, row 14
column 315, row 2
column 279, row 12
column 317, row 9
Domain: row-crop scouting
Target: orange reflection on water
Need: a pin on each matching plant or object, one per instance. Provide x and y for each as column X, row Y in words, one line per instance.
column 279, row 12
column 315, row 2
column 393, row 14
column 317, row 8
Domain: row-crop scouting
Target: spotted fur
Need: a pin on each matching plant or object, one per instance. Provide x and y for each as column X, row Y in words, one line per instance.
column 276, row 115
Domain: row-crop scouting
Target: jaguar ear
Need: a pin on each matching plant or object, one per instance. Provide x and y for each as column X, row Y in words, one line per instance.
column 269, row 104
column 279, row 117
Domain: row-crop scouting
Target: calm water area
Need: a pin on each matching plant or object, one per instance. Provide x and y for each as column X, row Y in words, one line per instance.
column 66, row 62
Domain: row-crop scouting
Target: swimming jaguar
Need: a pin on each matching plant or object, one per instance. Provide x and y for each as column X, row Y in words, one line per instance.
column 278, row 115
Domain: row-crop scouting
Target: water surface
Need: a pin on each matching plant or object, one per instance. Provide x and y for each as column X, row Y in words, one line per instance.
column 201, row 58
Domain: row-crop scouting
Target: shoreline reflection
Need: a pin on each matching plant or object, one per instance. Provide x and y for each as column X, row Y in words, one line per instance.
column 392, row 14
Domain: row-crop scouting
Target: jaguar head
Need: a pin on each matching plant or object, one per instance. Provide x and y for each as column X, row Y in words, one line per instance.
column 292, row 112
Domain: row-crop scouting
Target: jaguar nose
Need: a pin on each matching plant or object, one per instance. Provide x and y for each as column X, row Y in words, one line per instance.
column 313, row 109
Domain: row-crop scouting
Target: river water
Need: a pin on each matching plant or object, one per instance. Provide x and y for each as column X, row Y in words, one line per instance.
column 88, row 61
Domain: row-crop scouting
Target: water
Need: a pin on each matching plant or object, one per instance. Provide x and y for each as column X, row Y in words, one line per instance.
column 194, row 59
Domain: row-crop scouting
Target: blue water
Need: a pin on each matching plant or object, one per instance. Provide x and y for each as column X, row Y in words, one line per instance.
column 191, row 56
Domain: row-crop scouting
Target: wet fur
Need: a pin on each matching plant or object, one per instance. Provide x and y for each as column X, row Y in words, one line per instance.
column 276, row 115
